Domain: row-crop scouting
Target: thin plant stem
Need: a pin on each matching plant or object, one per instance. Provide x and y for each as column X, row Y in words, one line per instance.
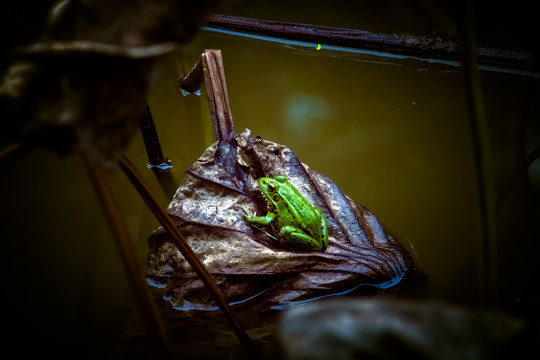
column 13, row 151
column 488, row 275
column 126, row 246
column 182, row 245
column 157, row 161
column 334, row 38
column 519, row 173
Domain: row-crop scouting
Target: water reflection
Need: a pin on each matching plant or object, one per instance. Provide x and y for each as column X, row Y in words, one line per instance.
column 305, row 114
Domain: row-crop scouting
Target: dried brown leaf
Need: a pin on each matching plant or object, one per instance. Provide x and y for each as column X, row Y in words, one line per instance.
column 248, row 265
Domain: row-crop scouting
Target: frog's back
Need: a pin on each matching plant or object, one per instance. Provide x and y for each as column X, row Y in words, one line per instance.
column 304, row 213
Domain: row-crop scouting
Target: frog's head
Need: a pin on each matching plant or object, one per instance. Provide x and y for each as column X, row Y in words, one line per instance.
column 274, row 190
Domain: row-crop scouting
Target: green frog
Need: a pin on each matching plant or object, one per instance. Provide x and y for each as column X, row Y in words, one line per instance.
column 294, row 221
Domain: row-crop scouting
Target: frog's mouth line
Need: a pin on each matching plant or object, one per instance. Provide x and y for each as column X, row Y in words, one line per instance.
column 269, row 205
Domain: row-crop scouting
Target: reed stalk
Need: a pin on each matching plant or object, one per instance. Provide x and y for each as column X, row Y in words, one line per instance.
column 180, row 242
column 126, row 246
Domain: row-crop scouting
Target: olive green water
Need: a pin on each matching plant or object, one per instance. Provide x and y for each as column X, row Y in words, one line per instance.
column 394, row 135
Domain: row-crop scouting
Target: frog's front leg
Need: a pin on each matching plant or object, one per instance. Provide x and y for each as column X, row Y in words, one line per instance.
column 296, row 239
column 263, row 220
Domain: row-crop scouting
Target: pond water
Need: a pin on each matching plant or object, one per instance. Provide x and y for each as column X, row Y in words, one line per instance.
column 394, row 135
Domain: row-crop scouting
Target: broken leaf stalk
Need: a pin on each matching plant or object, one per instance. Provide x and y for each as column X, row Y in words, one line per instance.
column 218, row 98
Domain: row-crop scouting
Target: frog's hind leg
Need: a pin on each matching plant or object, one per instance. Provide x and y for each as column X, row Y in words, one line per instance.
column 296, row 239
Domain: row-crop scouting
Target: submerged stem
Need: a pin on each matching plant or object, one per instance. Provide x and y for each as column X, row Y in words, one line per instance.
column 178, row 239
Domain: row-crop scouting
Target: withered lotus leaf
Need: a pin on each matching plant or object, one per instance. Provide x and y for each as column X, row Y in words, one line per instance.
column 248, row 265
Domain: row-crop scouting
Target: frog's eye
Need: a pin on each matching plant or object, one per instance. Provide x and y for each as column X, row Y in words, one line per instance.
column 271, row 187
